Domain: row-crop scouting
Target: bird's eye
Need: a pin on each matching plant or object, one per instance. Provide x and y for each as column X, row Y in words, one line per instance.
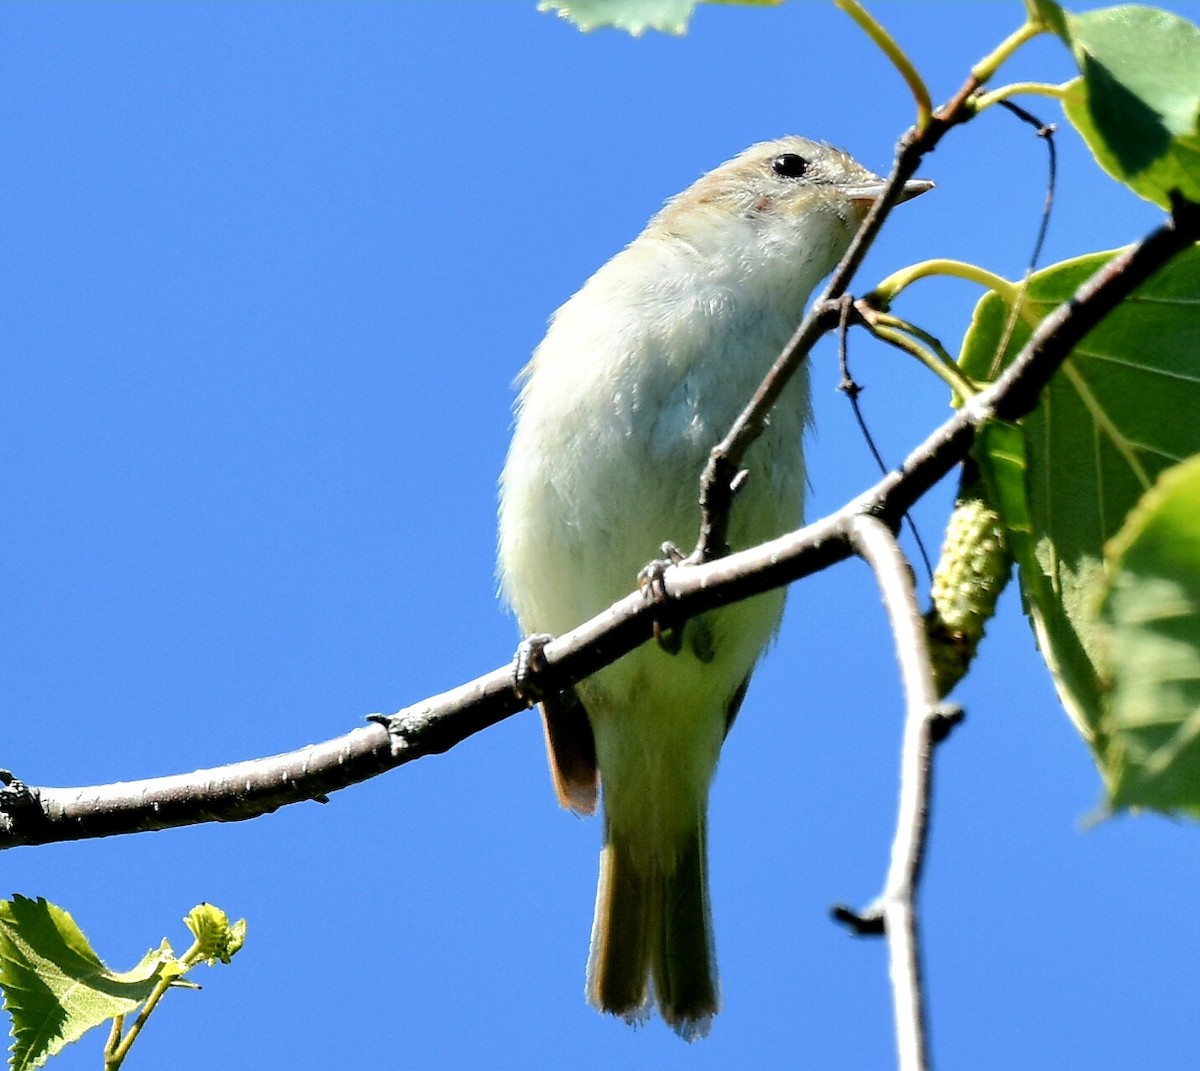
column 789, row 165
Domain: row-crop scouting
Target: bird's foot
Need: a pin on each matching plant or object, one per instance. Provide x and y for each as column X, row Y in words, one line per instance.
column 528, row 664
column 651, row 585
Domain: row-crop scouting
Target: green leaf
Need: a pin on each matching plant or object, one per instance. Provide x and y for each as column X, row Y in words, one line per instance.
column 1122, row 408
column 1152, row 609
column 216, row 939
column 55, row 987
column 1137, row 104
column 636, row 16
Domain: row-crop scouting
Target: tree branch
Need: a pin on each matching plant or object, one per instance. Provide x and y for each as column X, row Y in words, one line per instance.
column 926, row 723
column 248, row 789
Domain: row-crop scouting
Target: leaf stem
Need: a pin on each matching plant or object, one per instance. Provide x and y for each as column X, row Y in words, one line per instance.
column 886, row 292
column 904, row 335
column 1039, row 89
column 114, row 1039
column 113, row 1059
column 987, row 67
column 888, row 46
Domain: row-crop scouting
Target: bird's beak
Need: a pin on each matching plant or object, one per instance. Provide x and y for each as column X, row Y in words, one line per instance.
column 913, row 188
column 868, row 195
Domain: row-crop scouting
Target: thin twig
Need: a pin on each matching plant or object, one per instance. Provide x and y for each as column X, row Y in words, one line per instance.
column 851, row 388
column 1046, row 133
column 725, row 460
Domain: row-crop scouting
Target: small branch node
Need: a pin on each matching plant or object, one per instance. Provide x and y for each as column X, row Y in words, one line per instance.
column 942, row 720
column 978, row 410
column 15, row 794
column 868, row 923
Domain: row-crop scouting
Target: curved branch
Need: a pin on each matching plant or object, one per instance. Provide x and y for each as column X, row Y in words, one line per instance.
column 248, row 789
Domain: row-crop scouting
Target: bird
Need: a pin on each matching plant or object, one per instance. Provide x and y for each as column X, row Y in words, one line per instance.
column 639, row 375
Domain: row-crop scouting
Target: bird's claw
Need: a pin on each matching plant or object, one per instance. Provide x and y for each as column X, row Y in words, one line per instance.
column 528, row 663
column 653, row 588
column 650, row 579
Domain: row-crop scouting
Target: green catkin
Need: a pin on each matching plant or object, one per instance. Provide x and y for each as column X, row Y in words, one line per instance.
column 973, row 569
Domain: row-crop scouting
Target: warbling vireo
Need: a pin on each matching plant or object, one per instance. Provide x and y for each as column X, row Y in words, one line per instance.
column 639, row 375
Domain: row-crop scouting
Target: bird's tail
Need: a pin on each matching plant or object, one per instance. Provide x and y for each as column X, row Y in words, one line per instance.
column 652, row 936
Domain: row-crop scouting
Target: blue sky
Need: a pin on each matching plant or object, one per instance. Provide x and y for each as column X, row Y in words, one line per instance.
column 267, row 272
